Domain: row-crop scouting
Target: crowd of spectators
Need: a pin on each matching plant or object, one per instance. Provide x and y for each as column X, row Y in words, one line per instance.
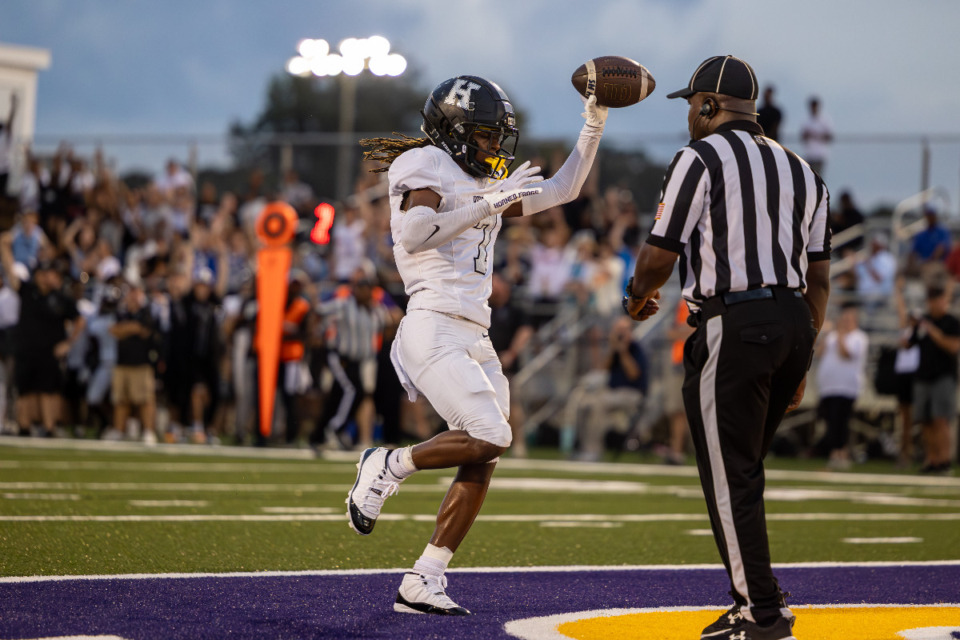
column 142, row 302
column 131, row 312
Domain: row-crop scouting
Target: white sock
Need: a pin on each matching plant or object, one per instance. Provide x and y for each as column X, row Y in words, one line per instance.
column 434, row 561
column 400, row 463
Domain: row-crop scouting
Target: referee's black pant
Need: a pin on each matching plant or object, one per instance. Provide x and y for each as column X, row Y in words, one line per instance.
column 742, row 367
column 341, row 404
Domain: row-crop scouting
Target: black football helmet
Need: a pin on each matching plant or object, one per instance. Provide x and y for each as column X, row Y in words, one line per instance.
column 462, row 106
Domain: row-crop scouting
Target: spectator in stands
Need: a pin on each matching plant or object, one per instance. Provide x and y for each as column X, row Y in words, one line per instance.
column 134, row 382
column 76, row 366
column 28, row 239
column 204, row 350
column 843, row 359
column 175, row 179
column 620, row 386
column 252, row 201
column 769, row 115
column 847, row 217
column 816, row 134
column 80, row 243
column 510, row 332
column 208, row 204
column 513, row 262
column 34, row 184
column 41, row 339
column 905, row 370
column 192, row 352
column 952, row 262
column 155, row 214
column 103, row 359
column 356, row 317
column 930, row 249
column 349, row 243
column 239, row 325
column 297, row 194
column 550, row 271
column 9, row 316
column 876, row 272
column 6, row 146
column 935, row 389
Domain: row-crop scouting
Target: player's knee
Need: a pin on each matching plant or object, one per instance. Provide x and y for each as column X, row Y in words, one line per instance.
column 492, row 439
column 488, row 451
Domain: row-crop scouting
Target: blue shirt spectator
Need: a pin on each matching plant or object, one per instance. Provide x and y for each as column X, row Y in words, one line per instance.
column 28, row 238
column 933, row 243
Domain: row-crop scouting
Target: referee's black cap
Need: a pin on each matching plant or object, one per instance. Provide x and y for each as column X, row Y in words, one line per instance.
column 726, row 75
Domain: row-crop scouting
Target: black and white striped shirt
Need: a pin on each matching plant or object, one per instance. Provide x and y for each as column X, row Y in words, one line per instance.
column 358, row 328
column 743, row 212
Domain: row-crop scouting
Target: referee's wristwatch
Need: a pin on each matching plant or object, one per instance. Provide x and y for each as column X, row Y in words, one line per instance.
column 628, row 296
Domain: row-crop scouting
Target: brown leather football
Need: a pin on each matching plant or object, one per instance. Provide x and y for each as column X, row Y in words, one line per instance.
column 617, row 81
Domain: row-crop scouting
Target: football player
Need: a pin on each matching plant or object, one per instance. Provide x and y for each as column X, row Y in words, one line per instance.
column 448, row 193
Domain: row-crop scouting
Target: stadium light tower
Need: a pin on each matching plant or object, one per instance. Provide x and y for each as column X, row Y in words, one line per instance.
column 355, row 55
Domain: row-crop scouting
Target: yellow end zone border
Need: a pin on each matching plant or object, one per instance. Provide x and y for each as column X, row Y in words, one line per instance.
column 548, row 627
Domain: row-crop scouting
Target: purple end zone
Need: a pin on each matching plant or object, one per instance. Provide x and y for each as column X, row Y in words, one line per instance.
column 361, row 606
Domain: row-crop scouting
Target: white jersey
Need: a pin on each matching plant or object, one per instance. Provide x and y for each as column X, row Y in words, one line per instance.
column 454, row 278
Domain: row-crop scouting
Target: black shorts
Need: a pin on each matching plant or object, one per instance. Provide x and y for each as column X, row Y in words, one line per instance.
column 37, row 373
column 904, row 388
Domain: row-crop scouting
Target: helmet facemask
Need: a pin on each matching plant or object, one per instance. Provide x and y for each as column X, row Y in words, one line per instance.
column 495, row 164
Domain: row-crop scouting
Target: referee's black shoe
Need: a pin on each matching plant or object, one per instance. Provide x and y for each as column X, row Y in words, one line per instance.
column 724, row 623
column 732, row 620
column 781, row 629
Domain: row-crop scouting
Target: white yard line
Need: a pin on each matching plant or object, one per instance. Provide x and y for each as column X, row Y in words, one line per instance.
column 71, row 444
column 218, row 487
column 294, row 510
column 176, row 466
column 519, row 518
column 562, row 485
column 544, row 569
column 525, row 464
column 168, row 503
column 567, row 524
column 39, row 496
column 894, row 540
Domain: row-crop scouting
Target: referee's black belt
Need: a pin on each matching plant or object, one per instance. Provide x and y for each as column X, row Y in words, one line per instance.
column 718, row 304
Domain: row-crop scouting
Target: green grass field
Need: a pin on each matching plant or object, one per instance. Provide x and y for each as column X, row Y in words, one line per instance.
column 105, row 510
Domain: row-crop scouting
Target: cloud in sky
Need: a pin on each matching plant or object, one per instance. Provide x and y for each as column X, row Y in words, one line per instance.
column 180, row 66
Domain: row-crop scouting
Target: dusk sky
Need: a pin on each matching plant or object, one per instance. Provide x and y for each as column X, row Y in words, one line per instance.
column 192, row 67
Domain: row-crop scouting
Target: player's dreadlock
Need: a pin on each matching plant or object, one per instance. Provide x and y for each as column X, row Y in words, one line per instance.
column 386, row 150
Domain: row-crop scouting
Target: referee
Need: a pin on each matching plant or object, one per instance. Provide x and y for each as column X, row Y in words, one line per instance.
column 748, row 219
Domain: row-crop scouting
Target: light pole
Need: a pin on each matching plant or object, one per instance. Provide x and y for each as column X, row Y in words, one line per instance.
column 356, row 54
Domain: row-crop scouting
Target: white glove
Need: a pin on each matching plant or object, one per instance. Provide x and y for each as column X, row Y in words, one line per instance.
column 595, row 115
column 521, row 177
column 499, row 202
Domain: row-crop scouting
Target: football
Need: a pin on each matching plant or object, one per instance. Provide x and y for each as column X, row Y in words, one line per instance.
column 616, row 81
